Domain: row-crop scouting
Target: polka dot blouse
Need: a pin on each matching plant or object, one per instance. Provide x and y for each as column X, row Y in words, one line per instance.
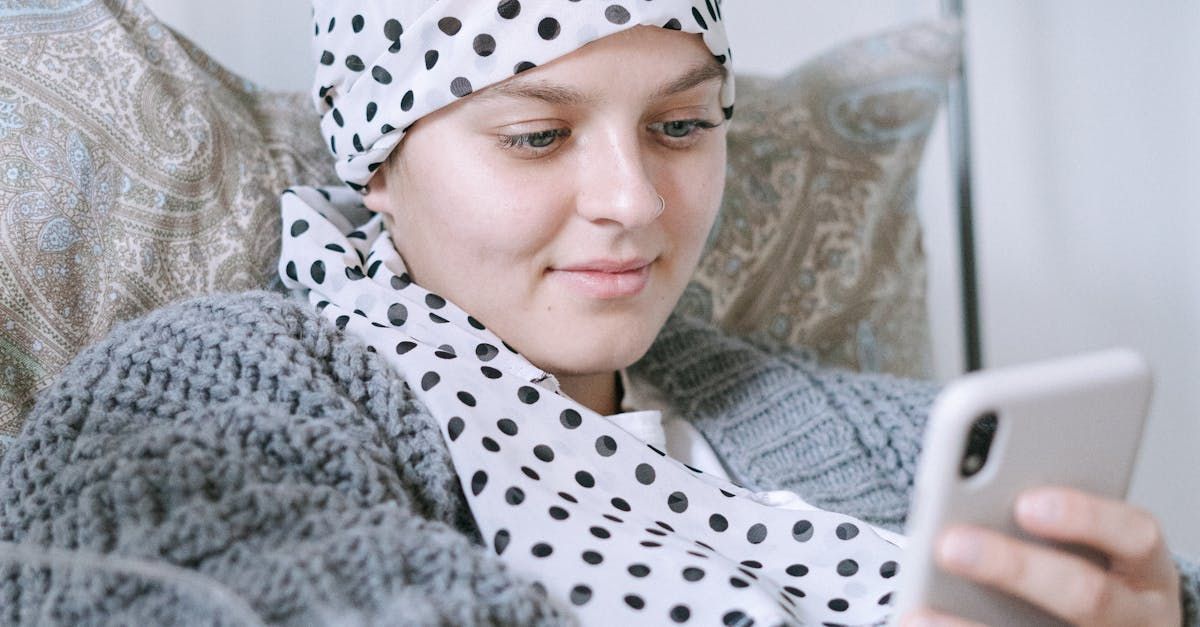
column 609, row 525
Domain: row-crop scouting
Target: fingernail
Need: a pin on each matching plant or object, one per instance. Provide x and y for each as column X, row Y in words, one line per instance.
column 962, row 548
column 1041, row 507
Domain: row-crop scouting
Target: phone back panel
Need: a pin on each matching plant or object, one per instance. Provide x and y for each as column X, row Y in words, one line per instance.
column 1075, row 421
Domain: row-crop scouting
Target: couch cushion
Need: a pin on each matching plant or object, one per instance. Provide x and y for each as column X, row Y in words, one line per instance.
column 134, row 171
column 818, row 242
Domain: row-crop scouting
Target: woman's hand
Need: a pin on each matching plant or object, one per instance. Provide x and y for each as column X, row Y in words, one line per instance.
column 1140, row 587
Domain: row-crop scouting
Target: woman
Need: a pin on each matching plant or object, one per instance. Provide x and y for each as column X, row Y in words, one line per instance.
column 564, row 208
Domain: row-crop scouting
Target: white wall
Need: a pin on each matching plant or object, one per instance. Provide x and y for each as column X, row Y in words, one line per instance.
column 263, row 40
column 1087, row 173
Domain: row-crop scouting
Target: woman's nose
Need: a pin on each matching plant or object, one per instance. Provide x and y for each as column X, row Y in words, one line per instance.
column 617, row 186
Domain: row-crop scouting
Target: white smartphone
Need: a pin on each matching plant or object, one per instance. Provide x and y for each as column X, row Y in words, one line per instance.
column 992, row 434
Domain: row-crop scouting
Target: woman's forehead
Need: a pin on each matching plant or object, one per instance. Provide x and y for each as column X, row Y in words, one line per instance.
column 678, row 63
column 548, row 90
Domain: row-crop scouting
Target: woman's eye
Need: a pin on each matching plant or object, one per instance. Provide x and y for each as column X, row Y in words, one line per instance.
column 681, row 129
column 538, row 140
column 677, row 131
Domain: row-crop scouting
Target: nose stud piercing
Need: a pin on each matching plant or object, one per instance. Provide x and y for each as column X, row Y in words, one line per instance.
column 662, row 205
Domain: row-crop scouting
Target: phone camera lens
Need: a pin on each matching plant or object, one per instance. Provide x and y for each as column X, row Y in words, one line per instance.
column 979, row 444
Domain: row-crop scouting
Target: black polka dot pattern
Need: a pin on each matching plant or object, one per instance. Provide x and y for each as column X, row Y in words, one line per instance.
column 543, row 453
column 484, row 45
column 616, row 14
column 802, row 531
column 580, row 594
column 500, row 541
column 508, row 9
column 570, row 418
column 606, row 446
column 460, row 87
column 381, row 76
column 645, row 473
column 549, row 28
column 449, row 25
column 398, row 45
column 564, row 496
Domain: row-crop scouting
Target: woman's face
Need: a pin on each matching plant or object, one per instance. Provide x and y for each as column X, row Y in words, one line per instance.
column 533, row 204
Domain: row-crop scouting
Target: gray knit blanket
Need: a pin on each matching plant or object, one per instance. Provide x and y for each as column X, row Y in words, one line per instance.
column 236, row 460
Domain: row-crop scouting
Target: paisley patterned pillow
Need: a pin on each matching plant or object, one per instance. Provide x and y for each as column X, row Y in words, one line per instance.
column 135, row 171
column 818, row 243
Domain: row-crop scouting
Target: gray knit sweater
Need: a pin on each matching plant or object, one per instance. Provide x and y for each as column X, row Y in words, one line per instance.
column 236, row 460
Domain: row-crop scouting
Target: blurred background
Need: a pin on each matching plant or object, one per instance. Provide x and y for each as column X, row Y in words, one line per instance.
column 1086, row 172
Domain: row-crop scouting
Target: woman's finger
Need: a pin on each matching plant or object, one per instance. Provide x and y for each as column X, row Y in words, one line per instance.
column 1062, row 584
column 1130, row 536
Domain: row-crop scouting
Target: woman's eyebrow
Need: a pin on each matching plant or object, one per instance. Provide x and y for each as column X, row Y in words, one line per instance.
column 539, row 90
column 698, row 75
column 568, row 96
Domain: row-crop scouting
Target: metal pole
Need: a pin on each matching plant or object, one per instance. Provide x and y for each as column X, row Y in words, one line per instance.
column 958, row 123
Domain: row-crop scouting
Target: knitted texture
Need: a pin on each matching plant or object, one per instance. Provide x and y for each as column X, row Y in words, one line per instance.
column 245, row 438
column 844, row 441
column 1189, row 589
column 236, row 459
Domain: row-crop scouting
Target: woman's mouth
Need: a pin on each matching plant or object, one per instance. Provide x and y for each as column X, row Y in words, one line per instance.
column 605, row 278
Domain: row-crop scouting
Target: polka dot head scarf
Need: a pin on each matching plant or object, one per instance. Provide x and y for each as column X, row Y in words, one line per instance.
column 384, row 64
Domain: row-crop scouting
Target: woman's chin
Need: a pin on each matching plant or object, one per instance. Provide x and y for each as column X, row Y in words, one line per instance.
column 567, row 333
column 593, row 349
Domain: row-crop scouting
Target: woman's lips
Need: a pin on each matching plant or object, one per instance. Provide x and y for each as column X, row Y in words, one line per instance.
column 605, row 284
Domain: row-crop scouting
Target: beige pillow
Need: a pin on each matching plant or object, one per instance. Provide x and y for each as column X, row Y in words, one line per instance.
column 135, row 171
column 818, row 242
